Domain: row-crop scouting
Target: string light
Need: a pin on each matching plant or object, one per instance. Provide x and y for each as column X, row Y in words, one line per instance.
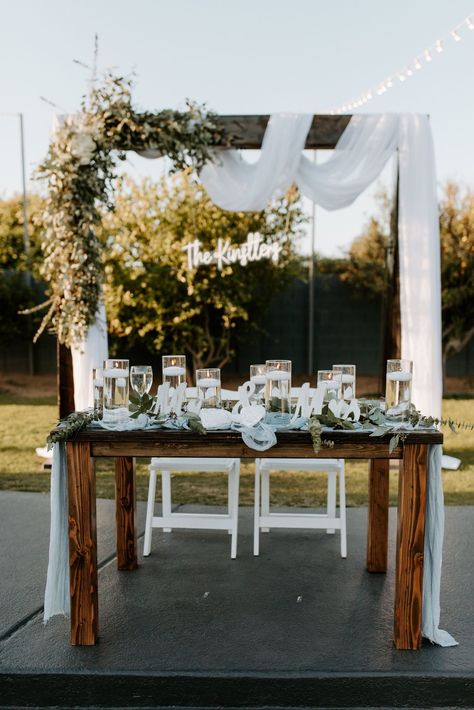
column 454, row 35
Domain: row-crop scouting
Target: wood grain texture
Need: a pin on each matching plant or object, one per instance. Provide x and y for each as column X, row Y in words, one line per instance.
column 82, row 545
column 236, row 449
column 410, row 547
column 247, row 131
column 377, row 531
column 125, row 513
column 295, row 444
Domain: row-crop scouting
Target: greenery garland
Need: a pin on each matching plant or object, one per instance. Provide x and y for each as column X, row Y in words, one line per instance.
column 372, row 418
column 79, row 171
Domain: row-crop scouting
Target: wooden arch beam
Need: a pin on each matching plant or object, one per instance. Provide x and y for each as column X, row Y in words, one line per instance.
column 248, row 131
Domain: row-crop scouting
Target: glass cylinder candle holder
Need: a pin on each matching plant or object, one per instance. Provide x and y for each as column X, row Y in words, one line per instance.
column 347, row 375
column 174, row 370
column 208, row 383
column 331, row 383
column 259, row 379
column 398, row 389
column 116, row 389
column 141, row 379
column 98, row 390
column 278, row 386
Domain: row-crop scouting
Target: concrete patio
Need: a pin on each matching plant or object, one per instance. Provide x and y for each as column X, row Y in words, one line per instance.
column 296, row 627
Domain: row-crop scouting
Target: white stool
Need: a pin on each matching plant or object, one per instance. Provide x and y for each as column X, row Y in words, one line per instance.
column 264, row 519
column 200, row 521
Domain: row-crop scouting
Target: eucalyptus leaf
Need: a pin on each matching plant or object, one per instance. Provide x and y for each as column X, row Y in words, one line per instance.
column 380, row 431
column 393, row 443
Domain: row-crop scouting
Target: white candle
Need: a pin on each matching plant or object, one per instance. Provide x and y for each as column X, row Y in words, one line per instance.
column 206, row 382
column 399, row 376
column 279, row 375
column 331, row 384
column 347, row 379
column 174, row 371
column 116, row 372
column 258, row 379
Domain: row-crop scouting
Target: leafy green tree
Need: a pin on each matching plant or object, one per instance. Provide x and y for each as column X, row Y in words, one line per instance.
column 366, row 262
column 457, row 267
column 12, row 251
column 153, row 298
column 16, row 291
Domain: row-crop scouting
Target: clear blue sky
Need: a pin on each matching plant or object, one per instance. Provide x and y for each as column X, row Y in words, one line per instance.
column 250, row 56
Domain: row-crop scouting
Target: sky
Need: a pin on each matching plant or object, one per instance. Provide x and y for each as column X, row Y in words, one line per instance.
column 241, row 56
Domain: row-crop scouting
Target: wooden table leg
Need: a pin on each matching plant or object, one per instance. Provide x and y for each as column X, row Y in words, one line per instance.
column 410, row 547
column 125, row 508
column 82, row 545
column 377, row 533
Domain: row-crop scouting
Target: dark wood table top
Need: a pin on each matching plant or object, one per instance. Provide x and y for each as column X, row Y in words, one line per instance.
column 290, row 444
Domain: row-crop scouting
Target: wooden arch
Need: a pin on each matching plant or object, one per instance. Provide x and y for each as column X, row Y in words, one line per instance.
column 247, row 132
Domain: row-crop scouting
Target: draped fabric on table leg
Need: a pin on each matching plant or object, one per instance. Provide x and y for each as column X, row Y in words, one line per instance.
column 433, row 555
column 56, row 597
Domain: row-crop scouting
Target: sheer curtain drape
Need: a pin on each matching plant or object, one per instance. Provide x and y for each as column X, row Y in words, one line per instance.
column 360, row 155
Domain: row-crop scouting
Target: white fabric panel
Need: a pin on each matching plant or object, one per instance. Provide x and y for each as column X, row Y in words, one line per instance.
column 364, row 148
column 420, row 274
column 433, row 557
column 234, row 184
column 56, row 596
column 87, row 354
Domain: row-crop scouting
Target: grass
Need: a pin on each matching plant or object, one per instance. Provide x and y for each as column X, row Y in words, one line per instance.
column 24, row 423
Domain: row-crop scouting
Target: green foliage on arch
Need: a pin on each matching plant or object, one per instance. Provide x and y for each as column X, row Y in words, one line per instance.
column 79, row 172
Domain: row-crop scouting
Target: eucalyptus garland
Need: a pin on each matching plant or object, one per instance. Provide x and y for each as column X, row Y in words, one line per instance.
column 79, row 171
column 372, row 419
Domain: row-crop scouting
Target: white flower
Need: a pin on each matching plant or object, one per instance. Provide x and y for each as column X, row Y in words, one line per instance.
column 82, row 146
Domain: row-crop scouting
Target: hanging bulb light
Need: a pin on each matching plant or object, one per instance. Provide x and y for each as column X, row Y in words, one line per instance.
column 456, row 36
column 417, row 63
column 408, row 71
column 428, row 56
column 439, row 46
column 402, row 76
column 470, row 23
column 389, row 83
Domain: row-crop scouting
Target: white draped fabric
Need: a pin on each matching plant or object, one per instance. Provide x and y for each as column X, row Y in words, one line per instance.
column 360, row 155
column 89, row 353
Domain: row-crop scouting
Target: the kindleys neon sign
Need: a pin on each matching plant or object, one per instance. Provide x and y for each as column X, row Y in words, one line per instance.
column 255, row 248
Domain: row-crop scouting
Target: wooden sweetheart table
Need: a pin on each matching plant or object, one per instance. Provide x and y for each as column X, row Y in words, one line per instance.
column 124, row 446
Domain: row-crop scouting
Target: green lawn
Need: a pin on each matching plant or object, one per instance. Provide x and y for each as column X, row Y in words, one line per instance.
column 24, row 424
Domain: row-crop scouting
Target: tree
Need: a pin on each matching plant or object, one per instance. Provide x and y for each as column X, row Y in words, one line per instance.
column 366, row 263
column 12, row 250
column 457, row 267
column 16, row 292
column 153, row 298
